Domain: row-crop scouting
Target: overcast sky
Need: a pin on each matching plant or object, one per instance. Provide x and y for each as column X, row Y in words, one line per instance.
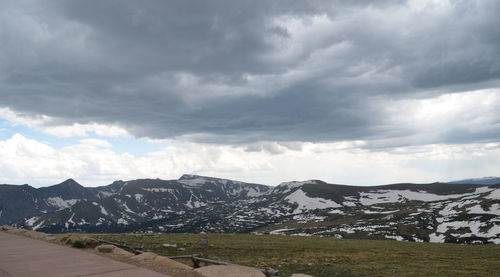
column 353, row 92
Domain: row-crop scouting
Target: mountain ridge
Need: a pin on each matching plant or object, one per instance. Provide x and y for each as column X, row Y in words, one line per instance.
column 491, row 180
column 434, row 212
column 19, row 201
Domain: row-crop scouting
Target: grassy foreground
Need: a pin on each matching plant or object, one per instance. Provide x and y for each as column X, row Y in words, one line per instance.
column 328, row 256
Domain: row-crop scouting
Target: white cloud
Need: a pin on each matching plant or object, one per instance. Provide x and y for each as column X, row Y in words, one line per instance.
column 83, row 130
column 93, row 162
column 50, row 126
column 473, row 109
column 17, row 118
column 96, row 143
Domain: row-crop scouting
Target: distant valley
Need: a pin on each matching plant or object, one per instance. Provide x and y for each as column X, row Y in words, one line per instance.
column 457, row 212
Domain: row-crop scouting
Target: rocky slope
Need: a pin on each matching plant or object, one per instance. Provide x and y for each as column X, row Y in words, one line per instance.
column 438, row 212
column 18, row 202
column 146, row 200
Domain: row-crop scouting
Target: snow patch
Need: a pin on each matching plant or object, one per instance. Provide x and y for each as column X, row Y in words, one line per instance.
column 104, row 194
column 252, row 192
column 280, row 231
column 31, row 221
column 379, row 212
column 477, row 209
column 309, row 203
column 394, row 196
column 474, row 227
column 436, row 238
column 194, row 204
column 289, row 186
column 396, row 237
column 349, row 204
column 494, row 195
column 127, row 209
column 158, row 189
column 138, row 197
column 195, row 182
column 449, row 209
column 302, row 235
column 103, row 211
column 304, row 218
column 60, row 203
column 336, row 211
column 38, row 225
column 70, row 220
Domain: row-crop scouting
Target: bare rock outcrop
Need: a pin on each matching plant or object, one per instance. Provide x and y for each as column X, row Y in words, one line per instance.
column 69, row 239
column 147, row 256
column 171, row 263
column 90, row 242
column 229, row 271
column 114, row 251
column 164, row 265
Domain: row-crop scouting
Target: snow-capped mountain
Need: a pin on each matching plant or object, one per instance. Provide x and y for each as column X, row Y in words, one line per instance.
column 437, row 212
column 18, row 202
column 479, row 181
column 145, row 200
column 432, row 212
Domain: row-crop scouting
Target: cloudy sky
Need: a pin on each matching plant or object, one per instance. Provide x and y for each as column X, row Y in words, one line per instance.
column 361, row 92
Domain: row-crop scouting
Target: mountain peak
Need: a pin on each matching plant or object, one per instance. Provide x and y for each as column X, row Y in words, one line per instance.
column 286, row 187
column 294, row 184
column 191, row 177
column 70, row 183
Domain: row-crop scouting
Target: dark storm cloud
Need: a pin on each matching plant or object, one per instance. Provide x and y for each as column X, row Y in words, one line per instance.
column 243, row 71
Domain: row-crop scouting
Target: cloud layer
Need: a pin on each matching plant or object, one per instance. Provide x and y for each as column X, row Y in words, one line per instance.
column 93, row 162
column 357, row 92
column 230, row 72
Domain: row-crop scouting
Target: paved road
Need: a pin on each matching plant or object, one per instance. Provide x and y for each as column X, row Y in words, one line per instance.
column 26, row 257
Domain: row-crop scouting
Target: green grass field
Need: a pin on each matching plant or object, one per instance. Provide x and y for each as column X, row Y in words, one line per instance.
column 327, row 256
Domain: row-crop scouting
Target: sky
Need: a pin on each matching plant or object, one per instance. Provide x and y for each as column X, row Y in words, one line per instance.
column 349, row 92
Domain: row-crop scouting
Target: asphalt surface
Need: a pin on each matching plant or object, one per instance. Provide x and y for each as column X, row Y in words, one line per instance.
column 26, row 257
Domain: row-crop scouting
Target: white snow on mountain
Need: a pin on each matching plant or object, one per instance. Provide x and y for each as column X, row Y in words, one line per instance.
column 494, row 194
column 103, row 211
column 195, row 182
column 304, row 218
column 31, row 221
column 60, row 203
column 477, row 209
column 336, row 211
column 309, row 203
column 126, row 208
column 38, row 225
column 158, row 189
column 436, row 238
column 393, row 196
column 254, row 193
column 104, row 194
column 194, row 204
column 138, row 197
column 286, row 187
column 280, row 231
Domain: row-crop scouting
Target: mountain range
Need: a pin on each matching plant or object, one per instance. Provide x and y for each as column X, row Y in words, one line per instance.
column 481, row 181
column 436, row 212
column 25, row 201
